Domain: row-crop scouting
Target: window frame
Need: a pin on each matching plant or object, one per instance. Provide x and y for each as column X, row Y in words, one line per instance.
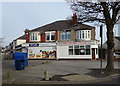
column 71, row 48
column 65, row 35
column 76, row 50
column 50, row 35
column 34, row 36
column 83, row 34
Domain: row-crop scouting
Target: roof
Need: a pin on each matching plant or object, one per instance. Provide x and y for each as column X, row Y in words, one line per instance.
column 62, row 25
column 21, row 37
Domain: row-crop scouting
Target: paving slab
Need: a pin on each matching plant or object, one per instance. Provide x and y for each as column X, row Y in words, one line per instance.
column 80, row 77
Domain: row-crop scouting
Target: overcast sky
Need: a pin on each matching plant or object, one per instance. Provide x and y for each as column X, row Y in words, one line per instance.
column 17, row 16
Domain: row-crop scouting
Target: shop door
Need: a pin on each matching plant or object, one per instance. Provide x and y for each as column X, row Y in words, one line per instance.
column 93, row 53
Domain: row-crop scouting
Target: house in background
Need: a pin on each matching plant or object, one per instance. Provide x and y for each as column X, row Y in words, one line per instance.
column 14, row 46
column 64, row 39
column 116, row 47
column 18, row 42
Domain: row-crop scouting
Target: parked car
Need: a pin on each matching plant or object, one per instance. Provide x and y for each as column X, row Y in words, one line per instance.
column 117, row 54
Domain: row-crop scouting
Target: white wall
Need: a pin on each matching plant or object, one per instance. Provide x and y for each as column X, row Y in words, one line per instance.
column 20, row 41
column 62, row 52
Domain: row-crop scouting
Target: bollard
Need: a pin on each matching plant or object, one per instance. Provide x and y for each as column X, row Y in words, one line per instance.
column 102, row 72
column 9, row 76
column 46, row 75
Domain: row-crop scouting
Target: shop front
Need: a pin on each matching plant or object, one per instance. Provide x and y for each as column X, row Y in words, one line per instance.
column 41, row 50
column 77, row 50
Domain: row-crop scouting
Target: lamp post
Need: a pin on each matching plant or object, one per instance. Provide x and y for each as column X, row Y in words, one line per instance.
column 101, row 33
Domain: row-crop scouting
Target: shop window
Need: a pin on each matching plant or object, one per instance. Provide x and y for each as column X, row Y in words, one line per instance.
column 76, row 50
column 82, row 50
column 70, row 50
column 50, row 36
column 65, row 35
column 87, row 49
column 79, row 50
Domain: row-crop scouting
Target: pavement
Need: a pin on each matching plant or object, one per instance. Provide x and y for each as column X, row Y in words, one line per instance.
column 0, row 72
column 59, row 72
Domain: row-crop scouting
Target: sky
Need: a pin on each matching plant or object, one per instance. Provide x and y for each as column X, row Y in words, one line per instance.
column 18, row 16
column 0, row 19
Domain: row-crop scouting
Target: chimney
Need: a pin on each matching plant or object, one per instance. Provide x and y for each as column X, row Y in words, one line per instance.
column 26, row 31
column 27, row 34
column 74, row 19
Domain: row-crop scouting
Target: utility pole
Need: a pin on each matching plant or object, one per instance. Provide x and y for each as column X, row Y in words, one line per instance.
column 101, row 55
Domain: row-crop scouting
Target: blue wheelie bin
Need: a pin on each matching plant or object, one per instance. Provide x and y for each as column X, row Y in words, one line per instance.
column 21, row 60
column 19, row 64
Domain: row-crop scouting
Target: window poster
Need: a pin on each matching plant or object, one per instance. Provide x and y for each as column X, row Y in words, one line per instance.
column 41, row 52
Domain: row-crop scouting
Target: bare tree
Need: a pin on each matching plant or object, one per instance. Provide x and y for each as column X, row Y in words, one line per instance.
column 104, row 12
column 1, row 40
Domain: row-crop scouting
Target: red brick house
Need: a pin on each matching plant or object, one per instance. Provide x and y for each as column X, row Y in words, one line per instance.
column 64, row 39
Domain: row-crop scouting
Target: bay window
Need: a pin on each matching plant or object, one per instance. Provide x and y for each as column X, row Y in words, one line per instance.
column 83, row 34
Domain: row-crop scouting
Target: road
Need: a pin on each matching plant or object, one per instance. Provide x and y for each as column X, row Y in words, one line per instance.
column 36, row 68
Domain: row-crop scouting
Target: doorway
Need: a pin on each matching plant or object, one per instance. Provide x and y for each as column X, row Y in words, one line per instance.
column 93, row 54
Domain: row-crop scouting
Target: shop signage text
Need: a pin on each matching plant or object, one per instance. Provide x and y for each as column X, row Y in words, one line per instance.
column 72, row 43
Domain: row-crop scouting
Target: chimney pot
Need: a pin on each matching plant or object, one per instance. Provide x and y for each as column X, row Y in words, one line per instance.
column 26, row 30
column 74, row 18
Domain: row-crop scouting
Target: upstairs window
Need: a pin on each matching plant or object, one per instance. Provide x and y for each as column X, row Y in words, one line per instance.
column 47, row 36
column 83, row 34
column 50, row 36
column 65, row 35
column 34, row 36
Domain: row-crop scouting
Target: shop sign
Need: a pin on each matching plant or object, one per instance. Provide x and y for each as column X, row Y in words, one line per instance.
column 47, row 44
column 74, row 43
column 33, row 45
column 41, row 44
